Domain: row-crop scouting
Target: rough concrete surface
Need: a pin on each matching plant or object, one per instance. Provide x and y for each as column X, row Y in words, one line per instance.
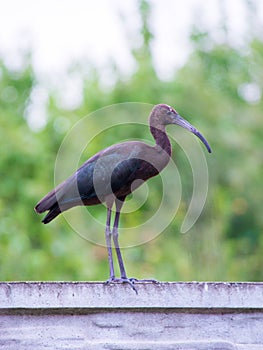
column 81, row 315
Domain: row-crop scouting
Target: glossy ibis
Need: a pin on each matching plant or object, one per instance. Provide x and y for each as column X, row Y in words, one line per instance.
column 109, row 176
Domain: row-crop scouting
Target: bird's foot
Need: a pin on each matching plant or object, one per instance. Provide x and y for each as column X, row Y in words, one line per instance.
column 112, row 280
column 130, row 281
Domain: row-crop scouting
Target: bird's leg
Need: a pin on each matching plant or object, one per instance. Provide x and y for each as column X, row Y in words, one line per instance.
column 115, row 234
column 108, row 235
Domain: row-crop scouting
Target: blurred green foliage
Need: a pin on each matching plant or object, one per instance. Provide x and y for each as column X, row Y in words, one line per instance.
column 218, row 90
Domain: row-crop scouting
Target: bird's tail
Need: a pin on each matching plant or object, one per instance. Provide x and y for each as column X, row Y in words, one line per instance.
column 49, row 202
column 54, row 212
column 50, row 199
column 46, row 203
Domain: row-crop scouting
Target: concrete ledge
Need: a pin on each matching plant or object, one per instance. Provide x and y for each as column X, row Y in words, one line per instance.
column 81, row 315
column 96, row 295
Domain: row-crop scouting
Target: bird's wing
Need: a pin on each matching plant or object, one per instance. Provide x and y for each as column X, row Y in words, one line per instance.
column 108, row 174
column 108, row 171
column 124, row 174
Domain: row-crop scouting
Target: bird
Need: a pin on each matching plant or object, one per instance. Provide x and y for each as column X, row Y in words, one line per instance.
column 112, row 174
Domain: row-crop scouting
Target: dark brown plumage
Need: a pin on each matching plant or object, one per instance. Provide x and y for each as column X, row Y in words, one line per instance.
column 108, row 176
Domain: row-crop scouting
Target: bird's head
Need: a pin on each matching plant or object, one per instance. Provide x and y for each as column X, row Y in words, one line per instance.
column 164, row 115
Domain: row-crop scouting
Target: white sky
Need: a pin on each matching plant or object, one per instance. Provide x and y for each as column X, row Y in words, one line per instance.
column 64, row 31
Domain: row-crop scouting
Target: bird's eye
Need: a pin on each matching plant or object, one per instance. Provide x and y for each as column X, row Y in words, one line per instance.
column 169, row 112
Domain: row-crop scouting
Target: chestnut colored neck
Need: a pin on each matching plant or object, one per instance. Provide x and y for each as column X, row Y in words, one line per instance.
column 161, row 138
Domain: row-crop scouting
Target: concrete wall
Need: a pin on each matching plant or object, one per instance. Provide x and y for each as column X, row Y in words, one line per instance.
column 162, row 316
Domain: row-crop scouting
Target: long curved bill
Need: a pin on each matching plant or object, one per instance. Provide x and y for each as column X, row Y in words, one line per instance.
column 186, row 125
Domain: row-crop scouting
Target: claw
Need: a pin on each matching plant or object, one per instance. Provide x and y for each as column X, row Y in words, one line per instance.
column 130, row 281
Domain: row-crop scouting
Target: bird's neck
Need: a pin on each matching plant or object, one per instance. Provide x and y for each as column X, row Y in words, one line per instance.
column 161, row 138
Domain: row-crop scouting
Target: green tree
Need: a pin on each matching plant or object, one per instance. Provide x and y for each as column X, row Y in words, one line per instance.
column 219, row 90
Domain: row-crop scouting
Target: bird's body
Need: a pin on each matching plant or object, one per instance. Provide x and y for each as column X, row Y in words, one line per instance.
column 116, row 169
column 113, row 173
